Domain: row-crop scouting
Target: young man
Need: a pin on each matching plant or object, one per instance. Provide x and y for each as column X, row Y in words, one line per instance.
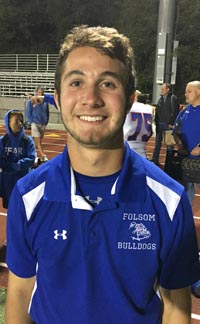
column 104, row 236
column 167, row 110
column 38, row 116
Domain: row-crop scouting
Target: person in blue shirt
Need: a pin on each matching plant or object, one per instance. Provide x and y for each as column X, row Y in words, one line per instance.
column 17, row 154
column 187, row 135
column 37, row 113
column 46, row 97
column 104, row 236
column 186, row 129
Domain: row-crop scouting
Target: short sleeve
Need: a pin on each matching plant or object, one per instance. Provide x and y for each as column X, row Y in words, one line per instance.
column 19, row 256
column 181, row 267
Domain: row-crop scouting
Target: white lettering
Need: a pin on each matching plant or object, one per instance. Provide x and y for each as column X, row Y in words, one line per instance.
column 136, row 246
column 139, row 217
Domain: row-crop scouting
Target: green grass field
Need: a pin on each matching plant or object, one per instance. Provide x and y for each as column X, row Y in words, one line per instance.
column 2, row 304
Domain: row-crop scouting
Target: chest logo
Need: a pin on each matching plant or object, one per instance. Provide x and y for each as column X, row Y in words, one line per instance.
column 62, row 235
column 139, row 231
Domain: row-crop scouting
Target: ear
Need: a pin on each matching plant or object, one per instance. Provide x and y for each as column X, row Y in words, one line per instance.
column 56, row 98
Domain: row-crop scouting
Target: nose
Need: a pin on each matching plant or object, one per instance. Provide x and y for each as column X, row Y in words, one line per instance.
column 92, row 97
column 19, row 122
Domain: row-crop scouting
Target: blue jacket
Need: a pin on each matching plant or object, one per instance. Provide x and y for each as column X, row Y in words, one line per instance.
column 17, row 155
column 38, row 114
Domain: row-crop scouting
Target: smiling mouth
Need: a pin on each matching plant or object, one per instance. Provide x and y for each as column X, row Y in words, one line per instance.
column 92, row 118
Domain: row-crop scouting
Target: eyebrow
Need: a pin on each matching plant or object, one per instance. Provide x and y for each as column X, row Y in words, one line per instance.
column 103, row 74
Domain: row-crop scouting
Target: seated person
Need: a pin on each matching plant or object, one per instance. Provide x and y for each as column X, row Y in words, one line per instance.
column 17, row 154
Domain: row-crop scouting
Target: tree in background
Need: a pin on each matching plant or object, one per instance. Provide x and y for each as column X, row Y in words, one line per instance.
column 188, row 28
column 38, row 27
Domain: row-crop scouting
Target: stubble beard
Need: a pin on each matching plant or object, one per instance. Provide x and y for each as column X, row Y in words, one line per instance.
column 110, row 140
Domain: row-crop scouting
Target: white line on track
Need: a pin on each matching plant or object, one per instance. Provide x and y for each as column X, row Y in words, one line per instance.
column 195, row 316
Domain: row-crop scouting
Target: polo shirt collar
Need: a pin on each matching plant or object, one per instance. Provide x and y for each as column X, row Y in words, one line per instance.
column 129, row 186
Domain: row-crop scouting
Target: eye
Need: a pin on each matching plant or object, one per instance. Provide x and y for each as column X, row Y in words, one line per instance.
column 75, row 83
column 108, row 84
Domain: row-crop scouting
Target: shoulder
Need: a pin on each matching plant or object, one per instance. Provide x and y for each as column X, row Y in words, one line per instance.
column 28, row 138
column 37, row 176
column 156, row 178
column 167, row 190
column 4, row 138
column 29, row 103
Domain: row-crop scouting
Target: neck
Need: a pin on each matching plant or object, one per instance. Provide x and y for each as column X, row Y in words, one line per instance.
column 196, row 104
column 97, row 162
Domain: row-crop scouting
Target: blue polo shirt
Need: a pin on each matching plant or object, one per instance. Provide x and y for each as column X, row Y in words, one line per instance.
column 187, row 125
column 101, row 263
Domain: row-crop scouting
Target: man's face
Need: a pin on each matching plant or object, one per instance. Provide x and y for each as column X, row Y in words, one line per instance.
column 15, row 123
column 39, row 92
column 192, row 95
column 164, row 90
column 93, row 102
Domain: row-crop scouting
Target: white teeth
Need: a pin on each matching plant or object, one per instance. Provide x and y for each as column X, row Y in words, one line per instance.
column 91, row 118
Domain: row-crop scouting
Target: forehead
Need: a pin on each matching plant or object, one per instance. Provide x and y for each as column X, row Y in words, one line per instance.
column 13, row 117
column 190, row 87
column 90, row 59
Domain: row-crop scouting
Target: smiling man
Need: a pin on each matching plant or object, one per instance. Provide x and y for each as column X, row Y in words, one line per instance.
column 80, row 259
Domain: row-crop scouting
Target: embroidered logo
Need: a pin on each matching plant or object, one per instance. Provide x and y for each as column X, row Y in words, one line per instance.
column 93, row 201
column 139, row 231
column 60, row 235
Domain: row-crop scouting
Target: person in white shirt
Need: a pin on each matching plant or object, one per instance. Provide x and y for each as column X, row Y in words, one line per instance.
column 138, row 124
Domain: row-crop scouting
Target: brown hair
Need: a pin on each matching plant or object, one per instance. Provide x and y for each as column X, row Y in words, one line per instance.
column 107, row 40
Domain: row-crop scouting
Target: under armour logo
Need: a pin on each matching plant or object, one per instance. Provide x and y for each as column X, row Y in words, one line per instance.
column 97, row 201
column 63, row 234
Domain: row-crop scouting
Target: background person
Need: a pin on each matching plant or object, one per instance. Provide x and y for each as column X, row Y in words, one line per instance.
column 187, row 134
column 138, row 124
column 48, row 98
column 17, row 155
column 106, row 233
column 37, row 113
column 187, row 130
column 166, row 112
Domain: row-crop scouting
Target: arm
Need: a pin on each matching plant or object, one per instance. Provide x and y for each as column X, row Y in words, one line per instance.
column 176, row 132
column 47, row 113
column 176, row 306
column 29, row 109
column 50, row 100
column 28, row 160
column 196, row 151
column 175, row 109
column 18, row 299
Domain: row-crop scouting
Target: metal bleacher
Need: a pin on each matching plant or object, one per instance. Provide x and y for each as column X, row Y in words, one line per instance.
column 22, row 73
